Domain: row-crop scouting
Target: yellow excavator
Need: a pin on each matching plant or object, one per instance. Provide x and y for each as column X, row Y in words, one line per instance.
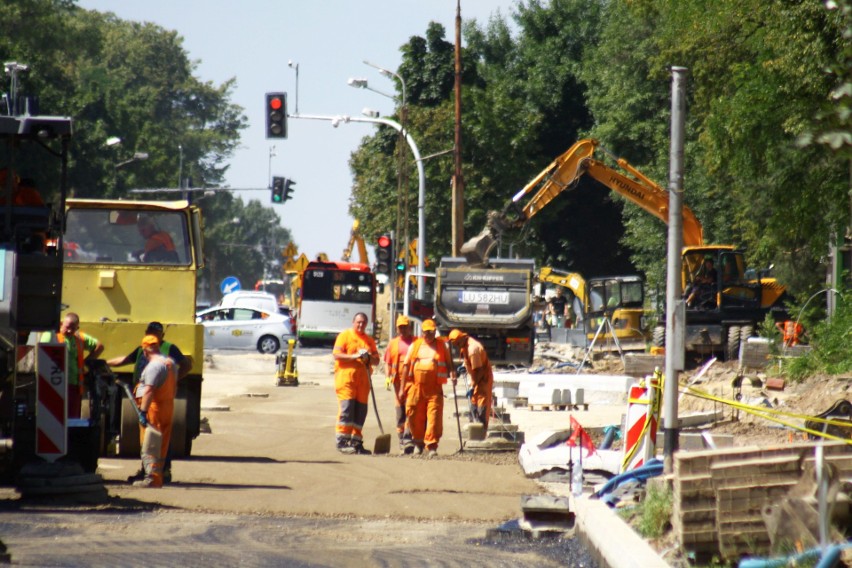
column 620, row 299
column 356, row 240
column 725, row 304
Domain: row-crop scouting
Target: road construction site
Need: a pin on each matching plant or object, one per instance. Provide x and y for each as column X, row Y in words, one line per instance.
column 266, row 486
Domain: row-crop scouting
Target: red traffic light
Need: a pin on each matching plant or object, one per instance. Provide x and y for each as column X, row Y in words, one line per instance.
column 384, row 241
column 275, row 103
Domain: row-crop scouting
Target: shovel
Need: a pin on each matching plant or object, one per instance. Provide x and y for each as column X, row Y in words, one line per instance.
column 152, row 443
column 383, row 442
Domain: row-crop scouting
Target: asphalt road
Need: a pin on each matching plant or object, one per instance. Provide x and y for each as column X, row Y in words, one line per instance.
column 268, row 488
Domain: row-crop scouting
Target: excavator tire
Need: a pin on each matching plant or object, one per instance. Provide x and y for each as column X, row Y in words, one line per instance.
column 732, row 351
column 658, row 338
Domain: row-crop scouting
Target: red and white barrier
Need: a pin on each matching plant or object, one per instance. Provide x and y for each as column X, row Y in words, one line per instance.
column 52, row 396
column 643, row 417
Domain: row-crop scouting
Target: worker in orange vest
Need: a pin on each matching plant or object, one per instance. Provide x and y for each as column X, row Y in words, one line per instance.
column 481, row 374
column 426, row 369
column 394, row 357
column 155, row 395
column 354, row 354
column 792, row 332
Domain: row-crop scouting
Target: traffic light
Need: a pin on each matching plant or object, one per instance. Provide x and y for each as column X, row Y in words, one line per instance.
column 278, row 189
column 384, row 255
column 288, row 188
column 400, row 265
column 276, row 115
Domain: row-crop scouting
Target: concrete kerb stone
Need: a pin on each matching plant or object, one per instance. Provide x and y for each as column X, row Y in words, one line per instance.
column 599, row 528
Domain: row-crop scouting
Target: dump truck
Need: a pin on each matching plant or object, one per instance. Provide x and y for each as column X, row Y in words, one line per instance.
column 731, row 306
column 127, row 263
column 491, row 302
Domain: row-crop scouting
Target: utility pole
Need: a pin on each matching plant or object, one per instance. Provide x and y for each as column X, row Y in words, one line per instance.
column 458, row 180
column 675, row 308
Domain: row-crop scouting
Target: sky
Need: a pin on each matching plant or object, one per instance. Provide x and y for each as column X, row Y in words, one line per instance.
column 255, row 40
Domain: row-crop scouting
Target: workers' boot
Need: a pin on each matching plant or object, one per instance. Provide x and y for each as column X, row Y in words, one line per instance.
column 153, row 473
column 359, row 448
column 344, row 446
column 138, row 476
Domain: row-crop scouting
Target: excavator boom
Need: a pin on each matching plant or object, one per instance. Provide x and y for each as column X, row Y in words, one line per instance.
column 562, row 174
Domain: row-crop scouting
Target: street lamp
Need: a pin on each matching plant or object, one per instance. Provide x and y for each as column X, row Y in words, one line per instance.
column 421, row 194
column 295, row 67
column 137, row 157
column 402, row 194
column 361, row 83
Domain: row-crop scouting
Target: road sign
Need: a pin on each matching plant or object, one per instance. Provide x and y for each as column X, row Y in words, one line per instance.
column 52, row 394
column 230, row 284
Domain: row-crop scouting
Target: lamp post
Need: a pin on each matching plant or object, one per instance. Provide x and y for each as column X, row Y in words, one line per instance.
column 137, row 157
column 295, row 66
column 421, row 192
column 402, row 195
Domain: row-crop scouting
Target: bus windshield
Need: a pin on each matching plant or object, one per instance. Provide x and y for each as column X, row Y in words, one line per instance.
column 125, row 236
column 329, row 285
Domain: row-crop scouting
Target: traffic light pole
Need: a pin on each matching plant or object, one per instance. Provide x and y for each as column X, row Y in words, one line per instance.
column 421, row 193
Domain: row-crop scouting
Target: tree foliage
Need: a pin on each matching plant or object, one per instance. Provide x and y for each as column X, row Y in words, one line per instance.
column 135, row 81
column 757, row 85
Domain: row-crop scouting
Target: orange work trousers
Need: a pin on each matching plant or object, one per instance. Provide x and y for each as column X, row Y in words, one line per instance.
column 424, row 408
column 160, row 416
column 480, row 402
column 353, row 396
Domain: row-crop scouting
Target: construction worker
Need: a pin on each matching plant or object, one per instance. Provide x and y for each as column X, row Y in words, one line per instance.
column 355, row 354
column 155, row 394
column 481, row 375
column 138, row 359
column 425, row 370
column 394, row 357
column 792, row 332
column 159, row 246
column 77, row 343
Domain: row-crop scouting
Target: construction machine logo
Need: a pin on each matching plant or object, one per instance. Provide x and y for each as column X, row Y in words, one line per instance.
column 618, row 181
column 483, row 277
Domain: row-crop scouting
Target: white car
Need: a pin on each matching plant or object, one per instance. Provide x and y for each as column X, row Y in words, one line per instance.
column 245, row 328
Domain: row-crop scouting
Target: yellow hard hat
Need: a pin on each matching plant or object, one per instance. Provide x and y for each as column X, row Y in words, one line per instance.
column 402, row 320
column 428, row 325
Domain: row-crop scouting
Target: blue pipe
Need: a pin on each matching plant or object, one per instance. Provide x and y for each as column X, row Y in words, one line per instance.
column 828, row 560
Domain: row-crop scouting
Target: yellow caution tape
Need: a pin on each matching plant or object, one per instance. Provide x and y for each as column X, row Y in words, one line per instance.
column 767, row 414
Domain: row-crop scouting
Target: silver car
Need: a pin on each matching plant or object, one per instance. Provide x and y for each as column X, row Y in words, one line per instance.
column 244, row 328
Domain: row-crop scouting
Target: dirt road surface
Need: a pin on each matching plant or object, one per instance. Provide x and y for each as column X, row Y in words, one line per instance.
column 268, row 488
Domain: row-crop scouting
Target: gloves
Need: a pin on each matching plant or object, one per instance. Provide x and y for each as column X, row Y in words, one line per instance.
column 143, row 420
column 388, row 383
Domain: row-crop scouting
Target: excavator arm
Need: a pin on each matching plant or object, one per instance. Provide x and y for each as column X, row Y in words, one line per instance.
column 562, row 174
column 355, row 240
column 570, row 280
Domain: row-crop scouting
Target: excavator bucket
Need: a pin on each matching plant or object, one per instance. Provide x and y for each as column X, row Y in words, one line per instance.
column 476, row 250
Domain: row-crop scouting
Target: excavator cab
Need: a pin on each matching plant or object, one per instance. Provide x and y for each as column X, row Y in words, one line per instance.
column 714, row 278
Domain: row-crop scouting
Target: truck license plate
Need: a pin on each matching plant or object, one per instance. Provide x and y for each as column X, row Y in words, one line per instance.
column 478, row 297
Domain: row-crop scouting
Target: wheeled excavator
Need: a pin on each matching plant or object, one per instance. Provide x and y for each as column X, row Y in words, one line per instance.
column 720, row 317
column 620, row 299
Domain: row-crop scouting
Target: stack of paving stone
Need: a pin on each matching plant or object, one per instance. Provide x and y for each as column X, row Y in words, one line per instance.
column 719, row 494
column 502, row 435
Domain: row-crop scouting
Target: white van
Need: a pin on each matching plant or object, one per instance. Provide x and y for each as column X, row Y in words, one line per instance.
column 250, row 299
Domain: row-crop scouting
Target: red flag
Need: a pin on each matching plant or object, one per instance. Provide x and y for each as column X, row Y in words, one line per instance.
column 585, row 440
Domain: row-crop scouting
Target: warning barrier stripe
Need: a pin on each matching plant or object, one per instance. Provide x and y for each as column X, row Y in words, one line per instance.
column 767, row 413
column 50, row 400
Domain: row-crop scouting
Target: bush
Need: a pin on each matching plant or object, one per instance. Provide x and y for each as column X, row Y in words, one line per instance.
column 655, row 513
column 831, row 351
